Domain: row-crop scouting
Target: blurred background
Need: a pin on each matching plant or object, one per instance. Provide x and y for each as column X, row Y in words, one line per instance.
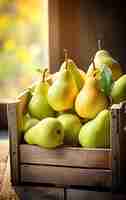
column 23, row 43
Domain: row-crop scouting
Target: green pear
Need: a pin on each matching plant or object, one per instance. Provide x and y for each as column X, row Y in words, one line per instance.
column 103, row 57
column 48, row 133
column 75, row 72
column 71, row 125
column 90, row 100
column 38, row 106
column 96, row 133
column 28, row 122
column 118, row 92
column 62, row 93
column 102, row 52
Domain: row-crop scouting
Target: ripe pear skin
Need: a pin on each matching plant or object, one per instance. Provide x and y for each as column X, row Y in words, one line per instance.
column 28, row 122
column 48, row 133
column 71, row 125
column 96, row 133
column 78, row 74
column 38, row 106
column 118, row 92
column 102, row 52
column 62, row 93
column 101, row 59
column 90, row 100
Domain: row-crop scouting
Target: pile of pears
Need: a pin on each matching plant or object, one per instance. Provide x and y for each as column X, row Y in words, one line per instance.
column 72, row 107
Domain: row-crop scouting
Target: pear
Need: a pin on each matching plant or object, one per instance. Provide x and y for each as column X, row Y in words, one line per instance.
column 48, row 133
column 102, row 52
column 103, row 57
column 71, row 124
column 90, row 100
column 78, row 74
column 96, row 133
column 28, row 122
column 118, row 92
column 62, row 93
column 38, row 106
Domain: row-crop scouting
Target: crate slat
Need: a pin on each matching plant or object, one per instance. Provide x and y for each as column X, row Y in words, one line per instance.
column 39, row 193
column 66, row 156
column 118, row 146
column 3, row 116
column 14, row 139
column 74, row 194
column 65, row 176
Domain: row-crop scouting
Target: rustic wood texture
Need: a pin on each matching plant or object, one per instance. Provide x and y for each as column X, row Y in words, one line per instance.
column 77, row 26
column 62, row 33
column 74, row 194
column 3, row 112
column 3, row 116
column 65, row 176
column 24, row 99
column 4, row 152
column 66, row 156
column 50, row 193
column 14, row 139
column 122, row 145
column 39, row 193
column 118, row 146
column 54, row 35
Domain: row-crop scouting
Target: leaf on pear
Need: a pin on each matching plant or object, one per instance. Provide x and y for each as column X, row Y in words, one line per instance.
column 105, row 80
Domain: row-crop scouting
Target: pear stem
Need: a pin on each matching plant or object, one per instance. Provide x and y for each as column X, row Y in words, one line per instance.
column 94, row 68
column 99, row 44
column 44, row 75
column 92, row 59
column 110, row 100
column 66, row 57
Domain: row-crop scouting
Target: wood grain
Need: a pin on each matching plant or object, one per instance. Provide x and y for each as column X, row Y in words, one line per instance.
column 3, row 115
column 14, row 139
column 54, row 35
column 118, row 146
column 66, row 156
column 65, row 176
column 39, row 193
column 74, row 194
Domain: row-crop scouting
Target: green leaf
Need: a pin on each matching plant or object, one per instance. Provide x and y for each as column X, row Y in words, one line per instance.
column 105, row 80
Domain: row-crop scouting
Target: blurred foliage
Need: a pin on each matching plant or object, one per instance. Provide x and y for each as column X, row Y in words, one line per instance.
column 23, row 43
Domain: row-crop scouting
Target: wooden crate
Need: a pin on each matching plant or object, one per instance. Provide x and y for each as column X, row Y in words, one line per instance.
column 67, row 166
column 3, row 115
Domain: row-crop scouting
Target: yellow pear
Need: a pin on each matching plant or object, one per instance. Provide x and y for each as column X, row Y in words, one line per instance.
column 63, row 91
column 77, row 74
column 103, row 57
column 90, row 100
column 102, row 52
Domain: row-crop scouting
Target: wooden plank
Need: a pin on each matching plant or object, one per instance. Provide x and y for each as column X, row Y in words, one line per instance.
column 118, row 146
column 63, row 35
column 70, row 27
column 3, row 116
column 54, row 31
column 14, row 138
column 24, row 99
column 74, row 194
column 122, row 146
column 66, row 156
column 115, row 146
column 65, row 176
column 39, row 193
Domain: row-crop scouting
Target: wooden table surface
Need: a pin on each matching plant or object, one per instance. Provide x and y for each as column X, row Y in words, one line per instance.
column 7, row 192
